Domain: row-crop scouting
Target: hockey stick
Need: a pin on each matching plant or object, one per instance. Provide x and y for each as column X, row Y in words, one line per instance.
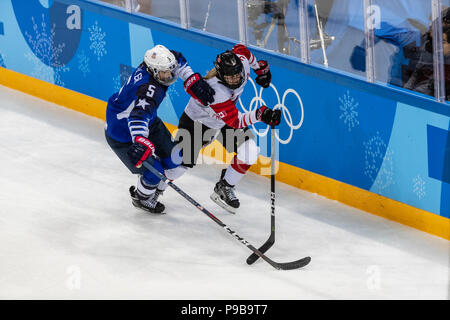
column 320, row 29
column 269, row 32
column 269, row 243
column 207, row 15
column 280, row 266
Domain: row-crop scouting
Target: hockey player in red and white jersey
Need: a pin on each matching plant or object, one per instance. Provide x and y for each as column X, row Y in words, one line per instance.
column 199, row 125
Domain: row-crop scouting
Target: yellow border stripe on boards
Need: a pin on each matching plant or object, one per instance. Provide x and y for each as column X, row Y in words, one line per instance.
column 306, row 180
column 53, row 93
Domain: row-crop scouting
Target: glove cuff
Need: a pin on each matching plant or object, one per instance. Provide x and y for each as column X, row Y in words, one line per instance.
column 263, row 68
column 191, row 80
column 260, row 112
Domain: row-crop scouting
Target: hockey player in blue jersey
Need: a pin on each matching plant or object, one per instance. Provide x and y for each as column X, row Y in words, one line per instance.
column 135, row 132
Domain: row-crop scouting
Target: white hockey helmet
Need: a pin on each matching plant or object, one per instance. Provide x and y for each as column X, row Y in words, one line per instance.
column 159, row 58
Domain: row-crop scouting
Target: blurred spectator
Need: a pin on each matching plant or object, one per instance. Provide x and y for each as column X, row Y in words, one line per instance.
column 143, row 6
column 421, row 79
column 412, row 66
column 263, row 15
column 324, row 9
column 269, row 8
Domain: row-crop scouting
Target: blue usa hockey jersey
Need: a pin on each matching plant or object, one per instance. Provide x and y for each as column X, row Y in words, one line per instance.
column 132, row 110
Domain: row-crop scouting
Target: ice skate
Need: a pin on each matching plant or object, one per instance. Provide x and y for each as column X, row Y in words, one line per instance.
column 151, row 204
column 225, row 197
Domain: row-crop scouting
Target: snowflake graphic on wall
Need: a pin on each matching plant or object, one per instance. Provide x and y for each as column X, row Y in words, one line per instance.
column 349, row 113
column 172, row 92
column 46, row 61
column 96, row 36
column 40, row 70
column 376, row 152
column 58, row 72
column 419, row 187
column 83, row 63
column 42, row 43
column 117, row 83
column 43, row 72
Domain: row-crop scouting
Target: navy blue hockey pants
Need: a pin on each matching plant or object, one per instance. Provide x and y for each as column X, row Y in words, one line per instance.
column 160, row 136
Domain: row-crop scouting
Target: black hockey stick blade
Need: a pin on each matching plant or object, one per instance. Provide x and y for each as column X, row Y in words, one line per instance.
column 294, row 264
column 263, row 249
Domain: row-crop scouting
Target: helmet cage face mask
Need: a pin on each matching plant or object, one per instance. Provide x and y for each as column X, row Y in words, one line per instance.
column 167, row 82
column 159, row 59
column 229, row 64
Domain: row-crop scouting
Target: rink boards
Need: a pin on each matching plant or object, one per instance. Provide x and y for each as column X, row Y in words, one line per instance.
column 379, row 149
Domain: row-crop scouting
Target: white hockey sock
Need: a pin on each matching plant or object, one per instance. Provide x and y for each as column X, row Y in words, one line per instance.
column 232, row 176
column 143, row 189
column 172, row 174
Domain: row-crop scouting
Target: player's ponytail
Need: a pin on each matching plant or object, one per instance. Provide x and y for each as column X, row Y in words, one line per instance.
column 211, row 74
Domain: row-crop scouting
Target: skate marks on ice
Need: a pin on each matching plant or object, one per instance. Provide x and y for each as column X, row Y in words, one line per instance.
column 68, row 229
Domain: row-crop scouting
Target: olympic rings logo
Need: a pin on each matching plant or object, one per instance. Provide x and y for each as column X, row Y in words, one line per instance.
column 258, row 101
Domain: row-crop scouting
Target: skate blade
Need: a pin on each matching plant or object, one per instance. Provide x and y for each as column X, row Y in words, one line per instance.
column 147, row 210
column 216, row 198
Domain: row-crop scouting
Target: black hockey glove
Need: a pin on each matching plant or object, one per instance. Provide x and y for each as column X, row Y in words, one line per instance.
column 269, row 116
column 263, row 74
column 140, row 150
column 199, row 89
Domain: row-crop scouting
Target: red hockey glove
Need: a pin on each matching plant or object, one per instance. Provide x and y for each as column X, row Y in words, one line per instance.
column 199, row 89
column 269, row 116
column 263, row 74
column 140, row 150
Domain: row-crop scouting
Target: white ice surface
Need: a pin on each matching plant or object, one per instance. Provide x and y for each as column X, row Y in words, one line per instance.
column 68, row 229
